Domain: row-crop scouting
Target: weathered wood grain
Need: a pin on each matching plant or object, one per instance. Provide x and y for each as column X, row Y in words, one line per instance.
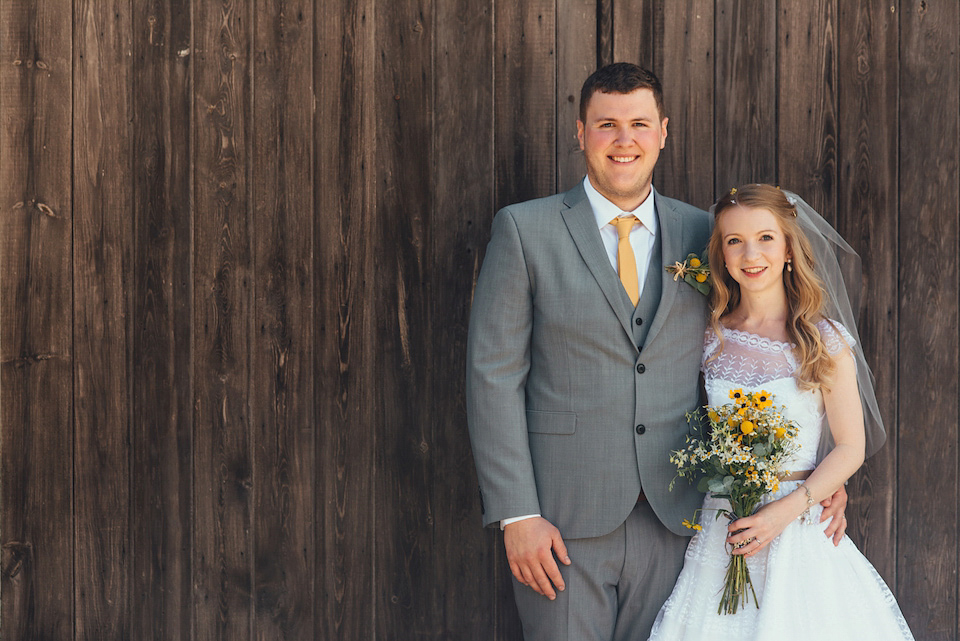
column 684, row 64
column 525, row 89
column 282, row 387
column 223, row 323
column 576, row 59
column 346, row 309
column 102, row 275
column 807, row 101
column 635, row 27
column 604, row 32
column 36, row 348
column 404, row 329
column 745, row 116
column 525, row 158
column 465, row 586
column 928, row 369
column 161, row 483
column 867, row 217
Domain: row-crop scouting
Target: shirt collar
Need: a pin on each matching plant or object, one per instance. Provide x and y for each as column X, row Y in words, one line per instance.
column 605, row 211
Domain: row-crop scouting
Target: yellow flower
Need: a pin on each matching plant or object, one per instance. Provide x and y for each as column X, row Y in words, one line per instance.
column 713, row 416
column 747, row 427
column 695, row 262
column 742, row 411
column 763, row 400
column 736, row 394
column 780, row 432
column 701, row 278
column 692, row 526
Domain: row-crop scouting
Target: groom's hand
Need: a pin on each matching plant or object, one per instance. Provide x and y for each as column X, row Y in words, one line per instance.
column 833, row 508
column 531, row 544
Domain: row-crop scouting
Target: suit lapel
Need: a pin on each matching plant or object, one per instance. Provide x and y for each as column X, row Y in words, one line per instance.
column 671, row 243
column 582, row 225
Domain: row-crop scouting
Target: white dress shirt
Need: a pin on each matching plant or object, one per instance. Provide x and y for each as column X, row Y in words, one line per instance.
column 642, row 238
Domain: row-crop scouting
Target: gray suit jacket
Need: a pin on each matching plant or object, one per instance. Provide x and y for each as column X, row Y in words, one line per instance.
column 567, row 416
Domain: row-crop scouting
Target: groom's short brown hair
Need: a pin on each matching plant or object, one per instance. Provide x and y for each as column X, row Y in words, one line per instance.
column 620, row 77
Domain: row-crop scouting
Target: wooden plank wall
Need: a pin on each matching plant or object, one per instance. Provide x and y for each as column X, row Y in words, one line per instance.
column 238, row 242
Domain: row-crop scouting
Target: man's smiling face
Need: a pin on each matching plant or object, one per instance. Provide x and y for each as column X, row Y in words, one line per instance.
column 621, row 141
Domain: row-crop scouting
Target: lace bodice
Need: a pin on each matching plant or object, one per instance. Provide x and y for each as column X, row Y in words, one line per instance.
column 751, row 362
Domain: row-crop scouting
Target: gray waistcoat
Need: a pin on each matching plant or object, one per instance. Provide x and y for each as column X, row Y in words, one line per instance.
column 650, row 298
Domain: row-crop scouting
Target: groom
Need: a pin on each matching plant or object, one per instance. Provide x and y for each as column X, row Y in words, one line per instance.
column 583, row 358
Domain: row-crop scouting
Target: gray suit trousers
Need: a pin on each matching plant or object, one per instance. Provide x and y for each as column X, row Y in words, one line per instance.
column 614, row 586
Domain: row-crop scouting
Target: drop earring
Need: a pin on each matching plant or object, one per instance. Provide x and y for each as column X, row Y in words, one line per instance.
column 789, row 265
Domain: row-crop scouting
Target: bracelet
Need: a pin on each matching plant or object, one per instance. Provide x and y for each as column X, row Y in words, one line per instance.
column 806, row 516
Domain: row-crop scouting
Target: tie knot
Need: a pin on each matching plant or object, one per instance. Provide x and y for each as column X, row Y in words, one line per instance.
column 624, row 225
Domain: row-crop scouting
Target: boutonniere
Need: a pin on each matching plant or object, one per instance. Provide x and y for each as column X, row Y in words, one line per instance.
column 694, row 270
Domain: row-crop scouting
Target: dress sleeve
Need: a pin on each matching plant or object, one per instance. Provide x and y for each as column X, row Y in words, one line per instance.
column 835, row 336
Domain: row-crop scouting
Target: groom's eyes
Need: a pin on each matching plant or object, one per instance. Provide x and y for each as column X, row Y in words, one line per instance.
column 607, row 125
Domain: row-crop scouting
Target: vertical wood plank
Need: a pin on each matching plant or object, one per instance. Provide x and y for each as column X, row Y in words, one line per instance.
column 635, row 28
column 404, row 329
column 223, row 314
column 928, row 413
column 604, row 32
column 525, row 157
column 525, row 89
column 344, row 226
column 745, row 122
column 867, row 218
column 465, row 586
column 162, row 435
column 685, row 66
column 576, row 59
column 102, row 256
column 282, row 356
column 36, row 349
column 807, row 105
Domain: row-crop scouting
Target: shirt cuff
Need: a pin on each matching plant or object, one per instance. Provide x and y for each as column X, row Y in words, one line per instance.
column 505, row 522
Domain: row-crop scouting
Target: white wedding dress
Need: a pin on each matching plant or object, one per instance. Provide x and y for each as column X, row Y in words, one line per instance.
column 806, row 587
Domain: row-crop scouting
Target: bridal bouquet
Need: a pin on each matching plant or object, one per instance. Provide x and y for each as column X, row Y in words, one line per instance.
column 740, row 459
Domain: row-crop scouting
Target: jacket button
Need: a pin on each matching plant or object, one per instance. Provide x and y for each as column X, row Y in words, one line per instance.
column 641, row 368
column 639, row 321
column 641, row 429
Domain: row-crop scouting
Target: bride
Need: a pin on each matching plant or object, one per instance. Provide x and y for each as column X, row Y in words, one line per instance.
column 781, row 321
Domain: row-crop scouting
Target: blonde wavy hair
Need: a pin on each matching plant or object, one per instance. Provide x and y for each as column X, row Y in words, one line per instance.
column 803, row 288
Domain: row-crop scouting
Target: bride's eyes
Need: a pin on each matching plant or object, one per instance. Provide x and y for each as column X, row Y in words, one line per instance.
column 737, row 241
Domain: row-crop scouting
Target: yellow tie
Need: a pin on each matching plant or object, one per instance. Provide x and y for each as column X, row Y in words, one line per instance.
column 626, row 261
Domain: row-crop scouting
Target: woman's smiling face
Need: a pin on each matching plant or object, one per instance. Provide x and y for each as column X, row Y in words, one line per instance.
column 754, row 247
